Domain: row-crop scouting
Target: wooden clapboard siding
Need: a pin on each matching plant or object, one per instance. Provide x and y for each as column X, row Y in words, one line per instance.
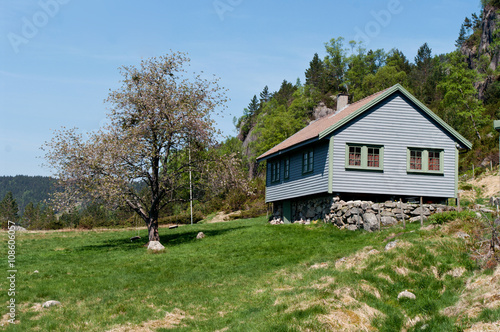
column 396, row 123
column 299, row 184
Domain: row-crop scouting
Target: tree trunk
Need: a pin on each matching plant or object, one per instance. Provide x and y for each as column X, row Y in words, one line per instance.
column 153, row 230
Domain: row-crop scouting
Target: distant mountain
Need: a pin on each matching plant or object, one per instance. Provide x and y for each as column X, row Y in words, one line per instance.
column 27, row 189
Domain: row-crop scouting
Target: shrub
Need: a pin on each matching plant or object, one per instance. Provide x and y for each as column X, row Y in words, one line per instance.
column 466, row 186
column 443, row 217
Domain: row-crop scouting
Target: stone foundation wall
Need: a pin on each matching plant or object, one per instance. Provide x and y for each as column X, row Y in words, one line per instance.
column 355, row 215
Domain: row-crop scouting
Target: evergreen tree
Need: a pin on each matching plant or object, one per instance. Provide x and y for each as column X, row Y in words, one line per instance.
column 462, row 37
column 253, row 108
column 8, row 209
column 265, row 95
column 396, row 58
column 284, row 95
column 315, row 74
column 424, row 88
column 31, row 215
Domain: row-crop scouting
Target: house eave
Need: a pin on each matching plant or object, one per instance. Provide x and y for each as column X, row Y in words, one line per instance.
column 286, row 150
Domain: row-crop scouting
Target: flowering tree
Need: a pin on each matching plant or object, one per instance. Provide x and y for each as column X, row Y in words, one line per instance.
column 157, row 116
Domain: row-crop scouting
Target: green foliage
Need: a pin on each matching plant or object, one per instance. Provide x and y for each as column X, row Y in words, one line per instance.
column 9, row 211
column 460, row 103
column 182, row 219
column 26, row 189
column 447, row 216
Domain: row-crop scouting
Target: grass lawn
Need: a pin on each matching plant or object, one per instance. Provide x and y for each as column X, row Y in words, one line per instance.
column 245, row 275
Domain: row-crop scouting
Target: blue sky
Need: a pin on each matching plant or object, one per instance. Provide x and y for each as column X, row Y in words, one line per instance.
column 60, row 58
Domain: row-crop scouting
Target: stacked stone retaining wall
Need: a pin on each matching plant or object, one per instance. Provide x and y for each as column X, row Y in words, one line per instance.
column 356, row 214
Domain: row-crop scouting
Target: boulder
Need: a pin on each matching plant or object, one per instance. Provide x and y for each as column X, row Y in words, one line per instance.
column 51, row 303
column 200, row 236
column 416, row 219
column 370, row 222
column 406, row 295
column 388, row 221
column 424, row 210
column 391, row 245
column 390, row 204
column 352, row 227
column 155, row 246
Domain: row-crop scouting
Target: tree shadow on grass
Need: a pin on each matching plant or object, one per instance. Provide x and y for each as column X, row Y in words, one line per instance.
column 168, row 240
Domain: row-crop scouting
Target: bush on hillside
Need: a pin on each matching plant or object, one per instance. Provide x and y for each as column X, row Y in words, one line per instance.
column 447, row 216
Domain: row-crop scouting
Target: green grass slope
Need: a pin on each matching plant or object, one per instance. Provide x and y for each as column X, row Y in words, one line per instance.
column 244, row 275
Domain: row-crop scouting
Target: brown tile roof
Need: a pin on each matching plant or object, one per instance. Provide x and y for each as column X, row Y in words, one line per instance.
column 316, row 127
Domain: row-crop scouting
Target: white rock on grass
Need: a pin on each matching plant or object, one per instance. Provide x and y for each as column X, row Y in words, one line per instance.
column 391, row 245
column 155, row 246
column 51, row 303
column 406, row 294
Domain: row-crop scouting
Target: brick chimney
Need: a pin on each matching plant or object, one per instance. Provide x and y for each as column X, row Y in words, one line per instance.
column 342, row 101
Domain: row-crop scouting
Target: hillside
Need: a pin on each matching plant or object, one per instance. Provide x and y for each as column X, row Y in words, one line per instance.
column 26, row 189
column 239, row 277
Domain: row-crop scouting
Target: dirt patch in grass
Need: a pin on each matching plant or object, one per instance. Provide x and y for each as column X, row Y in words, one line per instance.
column 171, row 320
column 480, row 293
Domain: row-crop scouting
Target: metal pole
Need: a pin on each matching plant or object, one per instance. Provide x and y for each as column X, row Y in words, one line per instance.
column 190, row 185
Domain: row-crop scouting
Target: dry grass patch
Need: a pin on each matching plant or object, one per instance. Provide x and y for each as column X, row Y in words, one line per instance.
column 484, row 327
column 401, row 270
column 318, row 266
column 356, row 261
column 480, row 293
column 324, row 283
column 354, row 319
column 370, row 289
column 171, row 320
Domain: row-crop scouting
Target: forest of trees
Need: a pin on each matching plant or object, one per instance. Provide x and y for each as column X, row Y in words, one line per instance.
column 462, row 87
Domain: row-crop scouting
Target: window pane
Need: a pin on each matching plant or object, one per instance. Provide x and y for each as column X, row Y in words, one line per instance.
column 373, row 157
column 434, row 161
column 415, row 159
column 354, row 156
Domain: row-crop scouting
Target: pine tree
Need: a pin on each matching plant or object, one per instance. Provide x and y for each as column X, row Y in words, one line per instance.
column 9, row 209
column 462, row 37
column 265, row 95
column 315, row 73
column 31, row 215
